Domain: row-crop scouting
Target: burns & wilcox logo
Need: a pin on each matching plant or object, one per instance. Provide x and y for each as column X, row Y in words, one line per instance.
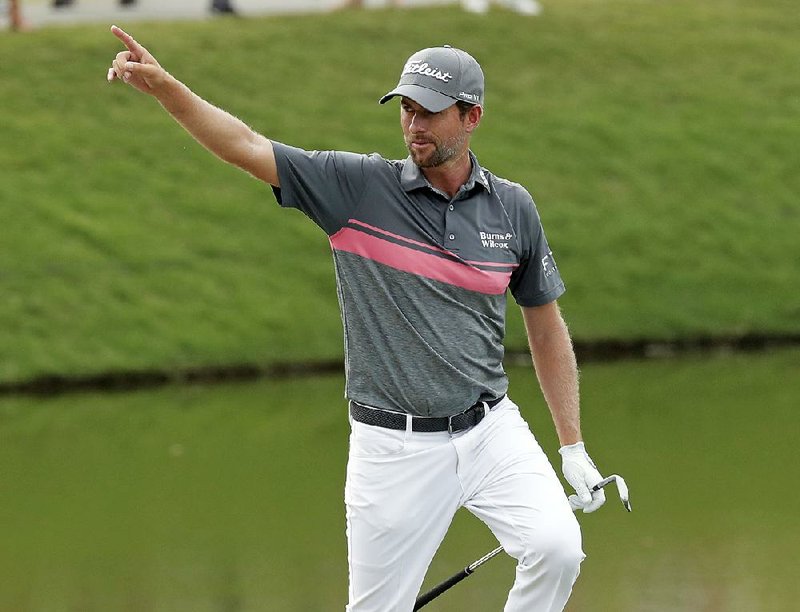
column 495, row 241
column 418, row 67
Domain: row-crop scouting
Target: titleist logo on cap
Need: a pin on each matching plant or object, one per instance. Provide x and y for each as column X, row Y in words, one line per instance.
column 438, row 77
column 418, row 67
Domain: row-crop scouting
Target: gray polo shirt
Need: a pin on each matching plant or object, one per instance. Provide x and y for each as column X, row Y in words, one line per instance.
column 421, row 278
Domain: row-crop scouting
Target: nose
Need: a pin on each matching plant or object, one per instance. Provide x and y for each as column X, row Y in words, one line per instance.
column 417, row 124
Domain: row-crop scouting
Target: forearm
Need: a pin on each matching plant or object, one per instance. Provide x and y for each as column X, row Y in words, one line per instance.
column 219, row 132
column 557, row 371
column 224, row 135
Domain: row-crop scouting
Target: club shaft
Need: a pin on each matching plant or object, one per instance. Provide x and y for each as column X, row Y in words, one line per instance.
column 441, row 588
column 604, row 482
column 475, row 565
column 426, row 598
column 454, row 580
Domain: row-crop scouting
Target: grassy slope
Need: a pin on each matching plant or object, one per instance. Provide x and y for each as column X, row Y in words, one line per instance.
column 659, row 140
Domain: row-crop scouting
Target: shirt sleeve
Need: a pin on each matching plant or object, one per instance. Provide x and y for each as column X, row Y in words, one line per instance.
column 325, row 185
column 536, row 281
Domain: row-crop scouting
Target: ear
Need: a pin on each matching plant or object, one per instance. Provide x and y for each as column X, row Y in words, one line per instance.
column 473, row 117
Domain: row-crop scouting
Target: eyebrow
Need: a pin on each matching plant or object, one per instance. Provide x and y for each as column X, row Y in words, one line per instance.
column 422, row 109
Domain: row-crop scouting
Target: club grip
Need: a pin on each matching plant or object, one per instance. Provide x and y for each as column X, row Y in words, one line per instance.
column 441, row 588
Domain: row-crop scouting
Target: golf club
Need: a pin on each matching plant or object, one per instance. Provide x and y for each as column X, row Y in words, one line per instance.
column 622, row 489
column 426, row 598
column 453, row 580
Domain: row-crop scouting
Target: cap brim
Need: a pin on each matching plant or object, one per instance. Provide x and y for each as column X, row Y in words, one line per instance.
column 429, row 99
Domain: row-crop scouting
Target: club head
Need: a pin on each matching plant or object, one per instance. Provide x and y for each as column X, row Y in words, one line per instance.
column 622, row 489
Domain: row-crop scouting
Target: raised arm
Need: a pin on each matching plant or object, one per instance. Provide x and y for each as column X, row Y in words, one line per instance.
column 218, row 131
column 557, row 371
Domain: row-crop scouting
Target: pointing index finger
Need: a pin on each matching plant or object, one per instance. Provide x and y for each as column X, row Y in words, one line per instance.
column 128, row 40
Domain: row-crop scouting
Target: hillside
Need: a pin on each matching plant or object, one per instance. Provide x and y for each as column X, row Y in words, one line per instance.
column 659, row 140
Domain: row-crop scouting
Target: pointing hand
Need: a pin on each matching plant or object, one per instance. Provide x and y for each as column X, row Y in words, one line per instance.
column 136, row 66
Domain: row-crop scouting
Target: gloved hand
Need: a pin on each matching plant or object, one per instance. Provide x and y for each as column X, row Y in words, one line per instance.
column 582, row 474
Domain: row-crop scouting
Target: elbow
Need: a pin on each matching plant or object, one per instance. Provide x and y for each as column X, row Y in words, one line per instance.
column 259, row 159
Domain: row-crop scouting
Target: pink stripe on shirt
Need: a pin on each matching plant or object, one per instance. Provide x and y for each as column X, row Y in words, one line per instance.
column 417, row 262
column 431, row 247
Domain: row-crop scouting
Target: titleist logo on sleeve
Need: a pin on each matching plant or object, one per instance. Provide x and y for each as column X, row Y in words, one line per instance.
column 418, row 67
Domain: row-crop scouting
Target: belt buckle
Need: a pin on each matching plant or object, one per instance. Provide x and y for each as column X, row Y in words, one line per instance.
column 482, row 407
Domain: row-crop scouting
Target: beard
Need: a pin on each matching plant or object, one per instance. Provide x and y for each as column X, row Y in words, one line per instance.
column 442, row 153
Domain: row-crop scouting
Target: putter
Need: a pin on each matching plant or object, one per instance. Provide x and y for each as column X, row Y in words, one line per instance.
column 426, row 598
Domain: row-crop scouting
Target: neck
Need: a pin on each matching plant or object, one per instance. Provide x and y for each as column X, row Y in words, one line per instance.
column 450, row 176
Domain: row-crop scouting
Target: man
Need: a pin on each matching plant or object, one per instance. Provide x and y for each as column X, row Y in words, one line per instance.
column 425, row 249
column 223, row 7
column 217, row 6
column 524, row 7
column 66, row 3
column 15, row 16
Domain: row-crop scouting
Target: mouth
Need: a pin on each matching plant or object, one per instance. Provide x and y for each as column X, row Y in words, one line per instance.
column 419, row 144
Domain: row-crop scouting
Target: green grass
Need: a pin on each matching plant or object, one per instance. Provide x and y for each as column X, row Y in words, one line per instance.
column 659, row 140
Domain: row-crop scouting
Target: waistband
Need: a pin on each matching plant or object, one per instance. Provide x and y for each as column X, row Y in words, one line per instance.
column 397, row 420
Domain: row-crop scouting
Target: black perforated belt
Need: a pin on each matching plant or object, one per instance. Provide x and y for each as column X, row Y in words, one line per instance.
column 397, row 420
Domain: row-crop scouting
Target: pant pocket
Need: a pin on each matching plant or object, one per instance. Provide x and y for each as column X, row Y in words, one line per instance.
column 373, row 441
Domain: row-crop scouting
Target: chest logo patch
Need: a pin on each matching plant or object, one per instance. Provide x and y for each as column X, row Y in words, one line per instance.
column 495, row 241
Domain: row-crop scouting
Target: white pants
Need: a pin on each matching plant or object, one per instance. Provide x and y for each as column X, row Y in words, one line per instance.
column 403, row 489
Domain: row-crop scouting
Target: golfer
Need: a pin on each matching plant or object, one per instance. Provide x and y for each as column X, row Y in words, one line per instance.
column 425, row 250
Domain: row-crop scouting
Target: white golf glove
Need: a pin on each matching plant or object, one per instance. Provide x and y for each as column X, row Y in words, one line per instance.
column 581, row 473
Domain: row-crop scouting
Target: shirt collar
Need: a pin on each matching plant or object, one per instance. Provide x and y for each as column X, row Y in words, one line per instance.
column 411, row 176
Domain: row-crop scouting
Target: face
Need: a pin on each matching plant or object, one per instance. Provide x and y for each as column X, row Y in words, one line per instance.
column 433, row 139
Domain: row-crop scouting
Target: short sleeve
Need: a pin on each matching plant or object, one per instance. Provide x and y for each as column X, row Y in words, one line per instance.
column 325, row 185
column 536, row 281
